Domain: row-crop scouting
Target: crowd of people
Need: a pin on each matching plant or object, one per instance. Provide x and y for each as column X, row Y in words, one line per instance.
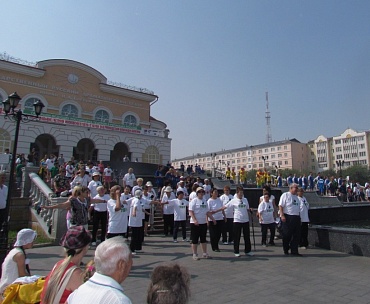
column 124, row 210
column 100, row 281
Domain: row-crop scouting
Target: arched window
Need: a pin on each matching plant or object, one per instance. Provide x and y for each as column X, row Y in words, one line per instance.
column 69, row 110
column 28, row 105
column 102, row 116
column 151, row 155
column 5, row 141
column 130, row 121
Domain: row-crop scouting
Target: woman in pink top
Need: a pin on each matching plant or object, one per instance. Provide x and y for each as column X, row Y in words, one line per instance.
column 76, row 243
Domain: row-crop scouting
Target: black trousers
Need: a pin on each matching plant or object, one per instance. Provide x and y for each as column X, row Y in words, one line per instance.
column 168, row 223
column 291, row 233
column 215, row 232
column 238, row 228
column 102, row 218
column 136, row 238
column 227, row 228
column 304, row 235
column 264, row 228
column 176, row 229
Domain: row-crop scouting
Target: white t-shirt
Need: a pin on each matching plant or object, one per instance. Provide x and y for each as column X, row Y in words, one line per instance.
column 183, row 189
column 101, row 207
column 50, row 163
column 129, row 179
column 200, row 209
column 290, row 203
column 215, row 204
column 136, row 221
column 179, row 207
column 117, row 222
column 229, row 211
column 167, row 208
column 69, row 170
column 108, row 172
column 266, row 211
column 92, row 187
column 304, row 207
column 192, row 196
column 137, row 187
column 207, row 190
column 240, row 208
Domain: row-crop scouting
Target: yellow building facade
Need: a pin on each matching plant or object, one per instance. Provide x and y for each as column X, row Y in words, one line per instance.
column 85, row 116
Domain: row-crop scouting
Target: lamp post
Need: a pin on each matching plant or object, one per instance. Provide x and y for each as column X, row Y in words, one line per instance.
column 340, row 164
column 11, row 113
column 264, row 158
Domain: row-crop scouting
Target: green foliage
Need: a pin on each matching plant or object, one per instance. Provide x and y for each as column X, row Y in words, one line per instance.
column 357, row 173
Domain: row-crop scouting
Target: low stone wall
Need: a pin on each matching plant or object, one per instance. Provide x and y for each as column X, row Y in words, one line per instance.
column 347, row 240
column 327, row 215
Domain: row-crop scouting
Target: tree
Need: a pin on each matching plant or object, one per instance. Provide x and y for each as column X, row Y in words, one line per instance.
column 357, row 173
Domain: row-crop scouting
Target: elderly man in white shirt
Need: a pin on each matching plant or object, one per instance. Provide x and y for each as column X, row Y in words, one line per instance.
column 113, row 261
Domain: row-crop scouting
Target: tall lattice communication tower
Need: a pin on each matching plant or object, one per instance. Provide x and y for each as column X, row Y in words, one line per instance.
column 267, row 116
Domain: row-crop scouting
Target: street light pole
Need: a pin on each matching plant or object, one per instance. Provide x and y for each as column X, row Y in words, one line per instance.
column 11, row 113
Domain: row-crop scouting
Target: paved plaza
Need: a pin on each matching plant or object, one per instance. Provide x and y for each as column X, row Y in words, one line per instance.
column 320, row 276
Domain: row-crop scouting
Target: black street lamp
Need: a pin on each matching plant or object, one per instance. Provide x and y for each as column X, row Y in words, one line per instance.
column 264, row 158
column 340, row 164
column 12, row 113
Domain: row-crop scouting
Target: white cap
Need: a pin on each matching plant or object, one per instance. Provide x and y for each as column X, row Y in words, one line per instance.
column 168, row 189
column 25, row 236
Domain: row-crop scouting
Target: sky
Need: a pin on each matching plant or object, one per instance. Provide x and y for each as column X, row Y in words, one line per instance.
column 211, row 61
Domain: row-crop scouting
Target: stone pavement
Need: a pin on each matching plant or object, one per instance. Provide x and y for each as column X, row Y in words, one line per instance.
column 320, row 276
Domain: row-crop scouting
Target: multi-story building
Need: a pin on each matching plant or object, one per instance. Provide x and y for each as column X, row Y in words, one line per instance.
column 85, row 115
column 285, row 154
column 350, row 148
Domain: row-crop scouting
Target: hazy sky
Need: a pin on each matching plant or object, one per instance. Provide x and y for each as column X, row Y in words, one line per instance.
column 211, row 62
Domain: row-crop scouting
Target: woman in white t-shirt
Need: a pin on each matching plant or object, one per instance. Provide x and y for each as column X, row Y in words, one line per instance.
column 215, row 229
column 118, row 213
column 267, row 214
column 179, row 205
column 199, row 211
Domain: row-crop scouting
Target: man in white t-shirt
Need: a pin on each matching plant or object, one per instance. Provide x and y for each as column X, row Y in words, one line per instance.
column 289, row 209
column 129, row 178
column 100, row 215
column 168, row 211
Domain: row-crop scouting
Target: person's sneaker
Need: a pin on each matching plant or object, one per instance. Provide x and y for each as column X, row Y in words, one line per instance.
column 250, row 253
column 195, row 257
column 225, row 243
column 237, row 255
column 303, row 247
column 231, row 243
column 264, row 245
column 175, row 241
column 216, row 250
column 276, row 238
column 133, row 253
column 93, row 244
column 272, row 243
column 186, row 240
column 206, row 256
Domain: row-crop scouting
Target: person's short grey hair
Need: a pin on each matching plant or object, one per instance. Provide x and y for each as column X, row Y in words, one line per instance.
column 109, row 253
column 99, row 188
column 292, row 185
